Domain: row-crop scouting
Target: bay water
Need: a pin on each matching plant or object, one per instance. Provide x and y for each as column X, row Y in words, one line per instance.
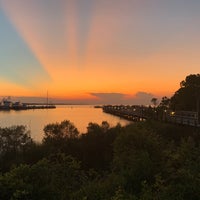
column 79, row 115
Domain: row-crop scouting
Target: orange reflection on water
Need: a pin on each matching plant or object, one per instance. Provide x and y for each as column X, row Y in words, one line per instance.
column 35, row 120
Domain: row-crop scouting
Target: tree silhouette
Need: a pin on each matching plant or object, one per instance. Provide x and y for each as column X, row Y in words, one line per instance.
column 60, row 131
column 188, row 95
column 14, row 139
column 165, row 101
column 154, row 101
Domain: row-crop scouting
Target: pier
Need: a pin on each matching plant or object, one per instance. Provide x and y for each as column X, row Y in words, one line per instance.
column 142, row 113
column 131, row 113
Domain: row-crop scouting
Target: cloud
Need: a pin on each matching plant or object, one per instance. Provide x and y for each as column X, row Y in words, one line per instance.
column 113, row 98
column 140, row 98
column 143, row 98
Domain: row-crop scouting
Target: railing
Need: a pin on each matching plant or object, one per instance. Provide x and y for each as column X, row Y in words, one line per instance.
column 140, row 113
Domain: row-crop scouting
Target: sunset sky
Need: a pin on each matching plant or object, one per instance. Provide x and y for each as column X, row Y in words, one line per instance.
column 92, row 50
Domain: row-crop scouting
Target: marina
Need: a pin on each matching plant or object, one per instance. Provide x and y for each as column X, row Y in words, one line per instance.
column 7, row 104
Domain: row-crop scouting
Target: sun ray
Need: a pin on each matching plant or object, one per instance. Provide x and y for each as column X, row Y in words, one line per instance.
column 38, row 30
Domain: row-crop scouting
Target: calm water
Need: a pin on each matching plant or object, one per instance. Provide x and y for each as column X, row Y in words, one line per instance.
column 35, row 120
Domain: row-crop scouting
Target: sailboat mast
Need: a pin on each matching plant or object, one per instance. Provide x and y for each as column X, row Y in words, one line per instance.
column 47, row 97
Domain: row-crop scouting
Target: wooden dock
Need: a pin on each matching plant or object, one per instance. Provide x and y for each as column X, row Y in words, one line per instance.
column 131, row 113
column 141, row 113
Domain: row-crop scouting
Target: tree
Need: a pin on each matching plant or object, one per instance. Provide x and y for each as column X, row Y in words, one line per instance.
column 105, row 126
column 60, row 131
column 96, row 145
column 188, row 95
column 137, row 154
column 93, row 128
column 165, row 101
column 55, row 177
column 14, row 139
column 96, row 128
column 154, row 101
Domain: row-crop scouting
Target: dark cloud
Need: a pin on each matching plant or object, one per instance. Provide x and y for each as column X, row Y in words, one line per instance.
column 140, row 98
column 109, row 98
column 143, row 98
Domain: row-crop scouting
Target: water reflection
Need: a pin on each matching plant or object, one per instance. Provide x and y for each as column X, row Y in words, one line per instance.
column 35, row 120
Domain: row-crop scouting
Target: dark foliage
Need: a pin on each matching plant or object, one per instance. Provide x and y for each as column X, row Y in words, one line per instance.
column 143, row 161
column 14, row 142
column 188, row 96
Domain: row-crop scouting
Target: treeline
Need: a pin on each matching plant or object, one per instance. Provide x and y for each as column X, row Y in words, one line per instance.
column 144, row 161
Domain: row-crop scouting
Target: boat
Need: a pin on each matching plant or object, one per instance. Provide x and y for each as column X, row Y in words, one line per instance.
column 98, row 106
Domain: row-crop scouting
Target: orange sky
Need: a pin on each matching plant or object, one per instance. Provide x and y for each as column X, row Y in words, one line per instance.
column 75, row 49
